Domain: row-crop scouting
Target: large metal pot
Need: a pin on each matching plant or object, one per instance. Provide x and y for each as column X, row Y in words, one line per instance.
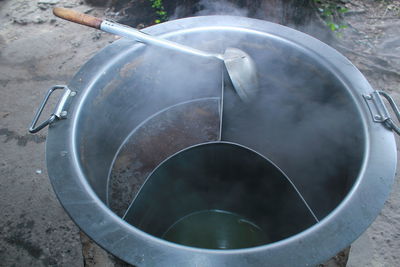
column 316, row 117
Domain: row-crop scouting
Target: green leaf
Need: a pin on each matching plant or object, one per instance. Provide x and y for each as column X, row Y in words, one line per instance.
column 332, row 26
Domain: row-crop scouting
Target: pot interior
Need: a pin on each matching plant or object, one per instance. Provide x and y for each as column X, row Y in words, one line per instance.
column 219, row 195
column 149, row 103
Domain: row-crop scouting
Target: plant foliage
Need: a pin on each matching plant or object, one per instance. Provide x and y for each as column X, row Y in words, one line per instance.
column 159, row 9
column 332, row 12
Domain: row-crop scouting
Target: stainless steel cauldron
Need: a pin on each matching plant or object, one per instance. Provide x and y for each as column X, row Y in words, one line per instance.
column 316, row 117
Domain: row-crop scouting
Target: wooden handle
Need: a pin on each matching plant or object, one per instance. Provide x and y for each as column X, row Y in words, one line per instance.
column 77, row 17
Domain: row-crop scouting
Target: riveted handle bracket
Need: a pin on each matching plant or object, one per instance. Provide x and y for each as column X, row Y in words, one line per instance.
column 378, row 109
column 58, row 113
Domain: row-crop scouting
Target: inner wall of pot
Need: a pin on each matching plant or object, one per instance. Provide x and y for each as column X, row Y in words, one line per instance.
column 219, row 195
column 304, row 119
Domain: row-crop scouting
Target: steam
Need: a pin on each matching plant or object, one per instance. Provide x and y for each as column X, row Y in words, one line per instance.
column 222, row 7
column 210, row 7
column 300, row 18
column 303, row 120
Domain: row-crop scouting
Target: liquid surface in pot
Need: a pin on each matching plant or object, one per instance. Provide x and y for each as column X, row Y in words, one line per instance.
column 215, row 229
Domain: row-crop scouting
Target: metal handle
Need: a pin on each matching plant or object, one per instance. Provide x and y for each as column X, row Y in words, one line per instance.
column 126, row 31
column 132, row 33
column 389, row 121
column 56, row 114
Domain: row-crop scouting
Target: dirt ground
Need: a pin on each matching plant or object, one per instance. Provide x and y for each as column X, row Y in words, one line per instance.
column 372, row 43
column 37, row 51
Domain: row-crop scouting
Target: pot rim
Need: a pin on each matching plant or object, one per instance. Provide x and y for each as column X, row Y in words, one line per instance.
column 351, row 217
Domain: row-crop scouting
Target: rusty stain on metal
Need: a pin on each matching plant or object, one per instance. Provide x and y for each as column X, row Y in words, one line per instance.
column 158, row 138
column 127, row 69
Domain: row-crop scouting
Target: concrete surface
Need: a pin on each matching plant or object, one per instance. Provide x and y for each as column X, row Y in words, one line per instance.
column 37, row 51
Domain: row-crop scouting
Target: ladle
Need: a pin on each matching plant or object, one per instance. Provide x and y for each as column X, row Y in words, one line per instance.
column 240, row 66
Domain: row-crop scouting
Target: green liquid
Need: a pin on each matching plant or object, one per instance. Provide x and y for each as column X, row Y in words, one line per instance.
column 215, row 229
